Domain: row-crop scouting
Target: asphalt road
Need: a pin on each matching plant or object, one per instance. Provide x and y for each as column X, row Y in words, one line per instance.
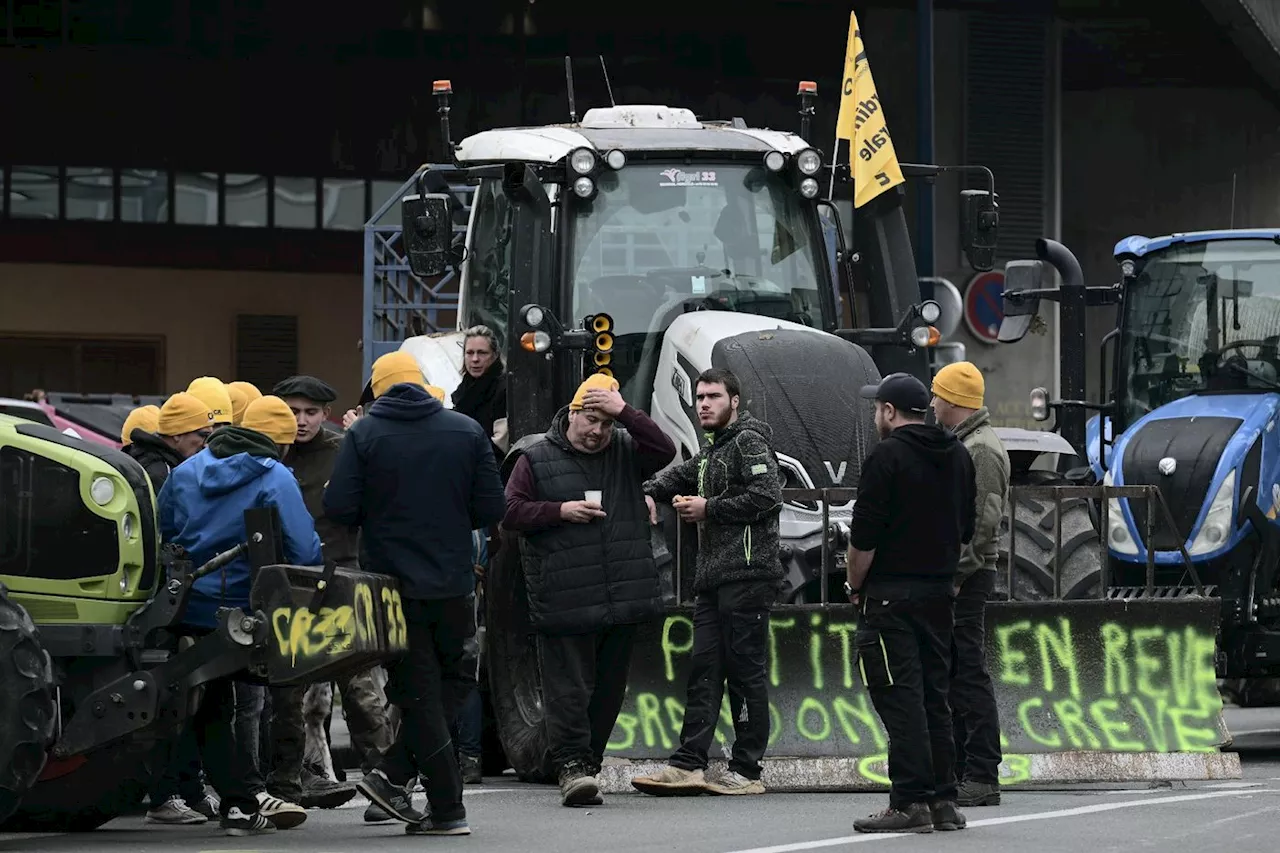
column 1239, row 816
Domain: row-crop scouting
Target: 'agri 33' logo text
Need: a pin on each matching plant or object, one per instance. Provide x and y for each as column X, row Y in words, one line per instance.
column 681, row 178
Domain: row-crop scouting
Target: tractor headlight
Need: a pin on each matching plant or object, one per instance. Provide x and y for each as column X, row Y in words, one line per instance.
column 583, row 161
column 129, row 526
column 534, row 315
column 808, row 162
column 1118, row 537
column 774, row 161
column 809, row 188
column 616, row 159
column 584, row 187
column 102, row 490
column 1217, row 521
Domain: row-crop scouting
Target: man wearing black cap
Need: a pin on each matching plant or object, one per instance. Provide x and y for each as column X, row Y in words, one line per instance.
column 311, row 458
column 915, row 509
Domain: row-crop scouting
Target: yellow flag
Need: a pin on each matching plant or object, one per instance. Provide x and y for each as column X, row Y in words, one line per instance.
column 861, row 121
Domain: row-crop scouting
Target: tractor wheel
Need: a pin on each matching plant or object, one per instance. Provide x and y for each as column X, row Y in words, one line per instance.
column 1080, row 563
column 109, row 783
column 515, row 678
column 27, row 710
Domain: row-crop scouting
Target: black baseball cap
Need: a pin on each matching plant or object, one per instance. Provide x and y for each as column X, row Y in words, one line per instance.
column 900, row 390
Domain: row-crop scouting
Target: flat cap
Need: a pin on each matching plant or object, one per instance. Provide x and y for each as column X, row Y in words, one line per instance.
column 305, row 386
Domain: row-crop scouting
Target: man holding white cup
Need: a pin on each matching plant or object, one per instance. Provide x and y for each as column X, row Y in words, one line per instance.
column 575, row 498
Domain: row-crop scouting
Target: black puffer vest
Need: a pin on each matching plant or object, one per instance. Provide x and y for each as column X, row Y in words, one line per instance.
column 584, row 577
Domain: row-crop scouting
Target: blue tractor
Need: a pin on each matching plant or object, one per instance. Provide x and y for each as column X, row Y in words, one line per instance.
column 1188, row 404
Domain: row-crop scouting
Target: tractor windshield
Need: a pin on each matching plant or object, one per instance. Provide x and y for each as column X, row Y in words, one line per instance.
column 659, row 240
column 1201, row 317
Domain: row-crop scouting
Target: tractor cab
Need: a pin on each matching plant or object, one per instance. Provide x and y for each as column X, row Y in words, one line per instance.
column 587, row 241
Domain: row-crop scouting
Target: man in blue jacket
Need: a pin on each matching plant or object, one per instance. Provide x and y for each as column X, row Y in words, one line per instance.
column 417, row 479
column 201, row 508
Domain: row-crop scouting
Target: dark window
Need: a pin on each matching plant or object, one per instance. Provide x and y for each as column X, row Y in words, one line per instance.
column 46, row 531
column 80, row 365
column 266, row 348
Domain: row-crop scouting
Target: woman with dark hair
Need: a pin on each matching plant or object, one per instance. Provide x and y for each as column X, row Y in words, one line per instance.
column 482, row 394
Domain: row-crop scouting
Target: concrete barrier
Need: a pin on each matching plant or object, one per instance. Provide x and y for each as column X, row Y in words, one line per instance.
column 1089, row 691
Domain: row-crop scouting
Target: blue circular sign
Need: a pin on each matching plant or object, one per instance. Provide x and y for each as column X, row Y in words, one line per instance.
column 984, row 305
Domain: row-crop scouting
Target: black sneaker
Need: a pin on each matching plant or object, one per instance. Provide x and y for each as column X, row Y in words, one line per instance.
column 971, row 793
column 319, row 792
column 394, row 800
column 914, row 818
column 578, row 787
column 431, row 826
column 238, row 824
column 946, row 817
column 471, row 772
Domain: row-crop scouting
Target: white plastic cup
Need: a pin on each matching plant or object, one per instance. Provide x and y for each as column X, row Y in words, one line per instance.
column 595, row 496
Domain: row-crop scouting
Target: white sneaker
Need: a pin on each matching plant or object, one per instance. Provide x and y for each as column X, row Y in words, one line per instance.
column 284, row 815
column 175, row 812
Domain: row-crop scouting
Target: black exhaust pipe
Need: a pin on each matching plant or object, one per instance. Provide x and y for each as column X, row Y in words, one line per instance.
column 1071, row 333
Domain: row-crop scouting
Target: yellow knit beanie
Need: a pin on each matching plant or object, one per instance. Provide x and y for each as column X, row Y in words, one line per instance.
column 241, row 394
column 183, row 413
column 960, row 384
column 214, row 395
column 596, row 381
column 145, row 418
column 394, row 368
column 272, row 417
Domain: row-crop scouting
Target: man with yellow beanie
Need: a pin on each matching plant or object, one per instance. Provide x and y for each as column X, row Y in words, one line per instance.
column 213, row 394
column 957, row 401
column 201, row 509
column 145, row 418
column 241, row 394
column 575, row 497
column 416, row 479
column 181, row 427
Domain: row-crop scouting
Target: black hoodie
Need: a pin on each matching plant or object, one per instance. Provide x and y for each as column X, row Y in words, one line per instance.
column 915, row 505
column 155, row 456
column 417, row 479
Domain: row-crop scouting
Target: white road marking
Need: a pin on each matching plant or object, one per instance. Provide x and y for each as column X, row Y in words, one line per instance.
column 997, row 821
column 1233, row 785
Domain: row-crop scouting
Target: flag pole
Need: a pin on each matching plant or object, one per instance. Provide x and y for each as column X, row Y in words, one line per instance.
column 835, row 158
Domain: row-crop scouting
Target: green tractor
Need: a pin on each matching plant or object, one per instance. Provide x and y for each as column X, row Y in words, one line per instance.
column 95, row 674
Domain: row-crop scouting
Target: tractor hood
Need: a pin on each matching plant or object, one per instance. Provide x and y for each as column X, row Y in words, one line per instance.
column 1202, row 451
column 802, row 382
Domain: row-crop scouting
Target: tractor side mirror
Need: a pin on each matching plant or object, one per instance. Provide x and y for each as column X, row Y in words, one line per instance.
column 979, row 228
column 1021, row 304
column 428, row 232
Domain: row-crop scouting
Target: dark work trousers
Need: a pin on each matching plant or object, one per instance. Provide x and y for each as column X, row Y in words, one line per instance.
column 904, row 656
column 429, row 685
column 248, row 726
column 226, row 760
column 468, row 728
column 730, row 641
column 584, row 682
column 180, row 758
column 288, row 742
column 974, row 715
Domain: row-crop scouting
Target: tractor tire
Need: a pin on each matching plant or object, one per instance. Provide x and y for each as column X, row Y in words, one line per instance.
column 515, row 677
column 27, row 709
column 1080, row 563
column 111, row 782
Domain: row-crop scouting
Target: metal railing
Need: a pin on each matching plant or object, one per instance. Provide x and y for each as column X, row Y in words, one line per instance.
column 1155, row 502
column 397, row 303
column 830, row 539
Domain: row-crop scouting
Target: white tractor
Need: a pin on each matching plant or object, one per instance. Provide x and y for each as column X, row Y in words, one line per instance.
column 651, row 245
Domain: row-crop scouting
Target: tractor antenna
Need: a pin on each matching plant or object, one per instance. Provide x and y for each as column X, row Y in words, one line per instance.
column 1233, row 201
column 608, row 86
column 568, row 77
